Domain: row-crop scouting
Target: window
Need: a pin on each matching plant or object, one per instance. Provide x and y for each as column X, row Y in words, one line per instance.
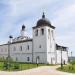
column 36, row 33
column 21, row 48
column 28, row 59
column 48, row 31
column 40, row 46
column 42, row 31
column 37, row 59
column 52, row 34
column 28, row 47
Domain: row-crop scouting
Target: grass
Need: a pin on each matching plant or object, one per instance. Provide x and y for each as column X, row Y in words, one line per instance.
column 68, row 68
column 20, row 66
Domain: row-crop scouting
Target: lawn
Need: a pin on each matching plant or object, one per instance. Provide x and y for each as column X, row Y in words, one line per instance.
column 68, row 68
column 14, row 66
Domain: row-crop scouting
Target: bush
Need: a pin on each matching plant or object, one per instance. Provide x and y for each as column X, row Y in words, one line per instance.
column 16, row 66
column 72, row 62
column 5, row 65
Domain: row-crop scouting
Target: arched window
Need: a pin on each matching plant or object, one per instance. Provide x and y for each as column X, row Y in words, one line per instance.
column 37, row 59
column 20, row 48
column 52, row 34
column 42, row 31
column 40, row 46
column 36, row 33
column 28, row 47
column 28, row 59
column 48, row 31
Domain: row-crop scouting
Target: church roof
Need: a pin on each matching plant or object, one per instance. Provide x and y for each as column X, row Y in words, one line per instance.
column 21, row 41
column 58, row 47
column 43, row 22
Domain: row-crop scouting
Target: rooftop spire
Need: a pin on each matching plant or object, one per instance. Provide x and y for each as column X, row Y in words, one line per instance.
column 43, row 16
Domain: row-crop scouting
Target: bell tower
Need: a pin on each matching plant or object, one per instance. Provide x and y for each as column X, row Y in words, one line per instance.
column 43, row 41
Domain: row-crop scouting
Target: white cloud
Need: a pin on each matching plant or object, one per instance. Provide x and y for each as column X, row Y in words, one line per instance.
column 18, row 12
column 65, row 23
column 65, row 16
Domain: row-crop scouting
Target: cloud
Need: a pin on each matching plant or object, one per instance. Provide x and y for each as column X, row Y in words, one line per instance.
column 65, row 16
column 61, row 13
column 14, row 12
column 65, row 26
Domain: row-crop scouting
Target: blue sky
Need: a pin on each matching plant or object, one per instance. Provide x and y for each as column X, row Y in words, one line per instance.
column 61, row 13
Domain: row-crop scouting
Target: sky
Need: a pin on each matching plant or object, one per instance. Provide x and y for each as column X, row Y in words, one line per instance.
column 61, row 14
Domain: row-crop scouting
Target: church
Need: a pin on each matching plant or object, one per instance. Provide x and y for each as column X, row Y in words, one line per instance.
column 41, row 48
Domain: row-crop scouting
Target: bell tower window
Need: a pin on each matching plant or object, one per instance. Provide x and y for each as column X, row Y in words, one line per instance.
column 48, row 33
column 42, row 31
column 36, row 33
column 52, row 35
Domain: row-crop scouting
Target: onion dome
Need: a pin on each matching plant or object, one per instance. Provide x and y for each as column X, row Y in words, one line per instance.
column 44, row 22
column 23, row 27
column 10, row 36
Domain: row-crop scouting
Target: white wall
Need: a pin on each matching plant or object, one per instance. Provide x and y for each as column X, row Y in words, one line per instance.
column 3, row 51
column 64, row 56
column 47, row 43
column 51, row 55
column 21, row 55
column 37, row 41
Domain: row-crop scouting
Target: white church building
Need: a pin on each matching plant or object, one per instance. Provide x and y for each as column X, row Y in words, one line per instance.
column 42, row 48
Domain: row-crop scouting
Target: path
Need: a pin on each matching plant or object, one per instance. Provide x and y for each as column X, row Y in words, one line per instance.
column 44, row 70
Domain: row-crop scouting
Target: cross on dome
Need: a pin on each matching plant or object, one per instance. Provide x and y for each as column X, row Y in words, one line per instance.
column 43, row 16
